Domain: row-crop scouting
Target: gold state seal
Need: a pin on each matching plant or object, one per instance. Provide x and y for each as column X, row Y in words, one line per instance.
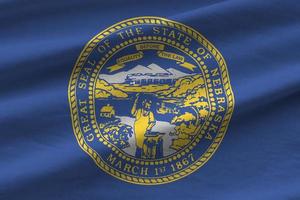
column 150, row 100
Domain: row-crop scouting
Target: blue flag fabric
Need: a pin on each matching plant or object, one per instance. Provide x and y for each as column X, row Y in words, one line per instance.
column 259, row 158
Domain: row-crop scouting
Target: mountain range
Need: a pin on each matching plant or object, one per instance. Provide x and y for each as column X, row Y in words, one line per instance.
column 140, row 69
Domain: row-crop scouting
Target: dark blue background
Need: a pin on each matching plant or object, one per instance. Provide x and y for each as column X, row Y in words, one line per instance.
column 39, row 44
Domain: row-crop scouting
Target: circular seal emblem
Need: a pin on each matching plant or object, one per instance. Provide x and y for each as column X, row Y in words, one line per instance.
column 150, row 100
